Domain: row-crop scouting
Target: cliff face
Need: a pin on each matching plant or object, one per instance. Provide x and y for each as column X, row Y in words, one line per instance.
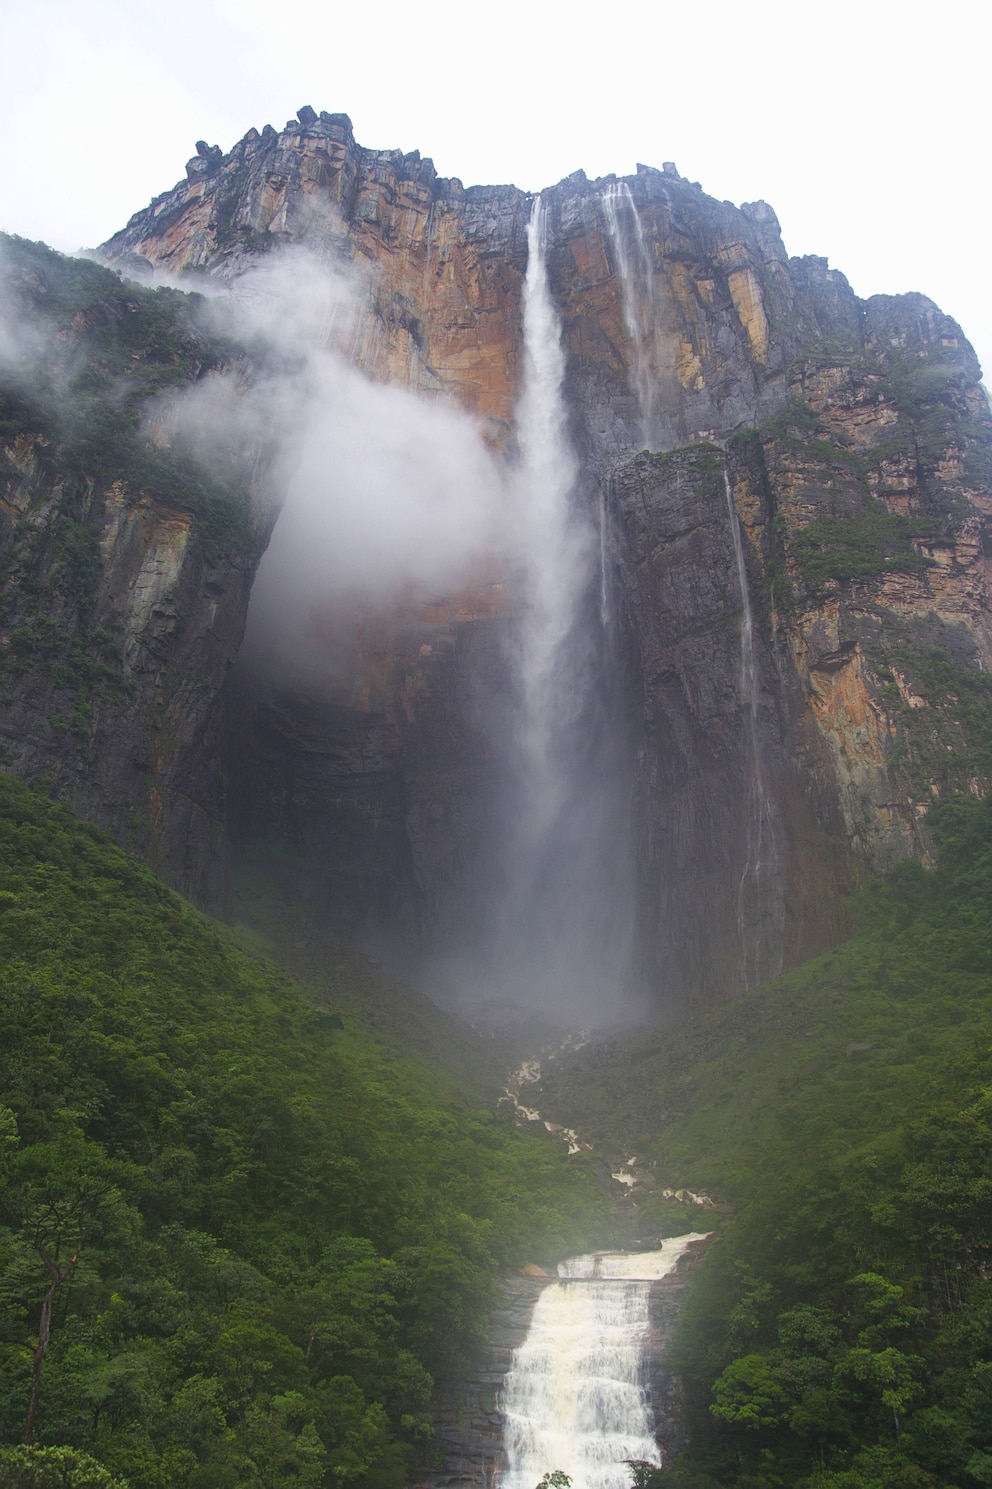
column 384, row 790
column 878, row 478
column 799, row 580
column 443, row 267
column 126, row 574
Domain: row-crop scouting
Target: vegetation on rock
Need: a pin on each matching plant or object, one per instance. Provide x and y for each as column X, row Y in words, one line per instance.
column 85, row 358
column 857, row 545
column 90, row 352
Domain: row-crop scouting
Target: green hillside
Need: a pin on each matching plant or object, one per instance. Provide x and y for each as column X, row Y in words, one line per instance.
column 840, row 1333
column 260, row 1233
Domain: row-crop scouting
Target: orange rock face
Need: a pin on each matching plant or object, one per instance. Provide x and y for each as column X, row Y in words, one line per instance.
column 857, row 444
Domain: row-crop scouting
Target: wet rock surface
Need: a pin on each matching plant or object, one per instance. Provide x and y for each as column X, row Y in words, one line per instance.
column 121, row 714
column 381, row 788
column 468, row 1424
column 662, row 1384
column 819, row 407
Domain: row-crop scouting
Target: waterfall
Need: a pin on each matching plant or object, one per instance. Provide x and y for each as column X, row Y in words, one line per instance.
column 550, row 924
column 636, row 274
column 604, row 571
column 558, row 543
column 562, row 936
column 759, row 824
column 574, row 1398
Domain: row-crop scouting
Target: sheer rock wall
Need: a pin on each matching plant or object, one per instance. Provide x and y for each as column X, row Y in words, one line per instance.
column 855, row 438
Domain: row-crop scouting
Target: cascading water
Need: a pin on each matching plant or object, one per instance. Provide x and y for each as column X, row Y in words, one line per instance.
column 636, row 274
column 559, row 896
column 761, row 851
column 558, row 546
column 604, row 570
column 574, row 1397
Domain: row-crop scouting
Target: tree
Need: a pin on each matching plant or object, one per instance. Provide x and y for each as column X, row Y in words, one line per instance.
column 888, row 1374
column 53, row 1468
column 748, row 1395
column 645, row 1475
column 60, row 1197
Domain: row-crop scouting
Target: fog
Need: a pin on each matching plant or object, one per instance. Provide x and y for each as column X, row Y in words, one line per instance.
column 385, row 490
column 385, row 493
column 375, row 494
column 376, row 488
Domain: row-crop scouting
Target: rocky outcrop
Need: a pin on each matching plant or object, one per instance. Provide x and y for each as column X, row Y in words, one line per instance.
column 442, row 265
column 781, row 734
column 126, row 575
column 468, row 1423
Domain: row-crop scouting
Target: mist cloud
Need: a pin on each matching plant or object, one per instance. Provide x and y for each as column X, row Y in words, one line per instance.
column 379, row 488
column 372, row 488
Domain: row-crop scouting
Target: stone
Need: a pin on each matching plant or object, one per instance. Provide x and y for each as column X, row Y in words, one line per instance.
column 742, row 334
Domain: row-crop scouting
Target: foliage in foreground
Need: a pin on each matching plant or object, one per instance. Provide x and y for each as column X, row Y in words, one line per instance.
column 256, row 1239
column 840, row 1336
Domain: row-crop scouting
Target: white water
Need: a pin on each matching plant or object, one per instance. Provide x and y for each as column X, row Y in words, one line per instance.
column 554, row 925
column 573, row 1398
column 604, row 569
column 554, row 850
column 636, row 274
column 759, row 825
column 558, row 544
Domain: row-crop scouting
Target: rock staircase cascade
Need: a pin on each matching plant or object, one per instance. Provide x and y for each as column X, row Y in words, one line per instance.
column 574, row 1394
column 481, row 1448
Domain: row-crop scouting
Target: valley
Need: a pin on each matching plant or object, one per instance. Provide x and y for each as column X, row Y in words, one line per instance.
column 496, row 733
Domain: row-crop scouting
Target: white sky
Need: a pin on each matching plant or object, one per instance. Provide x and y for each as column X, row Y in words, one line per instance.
column 862, row 123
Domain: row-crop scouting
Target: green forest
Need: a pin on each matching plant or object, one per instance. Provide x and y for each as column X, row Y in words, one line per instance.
column 255, row 1203
column 839, row 1333
column 240, row 1237
column 260, row 1233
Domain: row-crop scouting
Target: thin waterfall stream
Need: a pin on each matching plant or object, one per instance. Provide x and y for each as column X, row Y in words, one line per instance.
column 574, row 1397
column 760, row 846
column 636, row 275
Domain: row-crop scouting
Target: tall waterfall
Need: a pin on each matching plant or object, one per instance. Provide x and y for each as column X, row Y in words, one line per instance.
column 558, row 548
column 760, row 827
column 636, row 275
column 558, row 902
column 574, row 1397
